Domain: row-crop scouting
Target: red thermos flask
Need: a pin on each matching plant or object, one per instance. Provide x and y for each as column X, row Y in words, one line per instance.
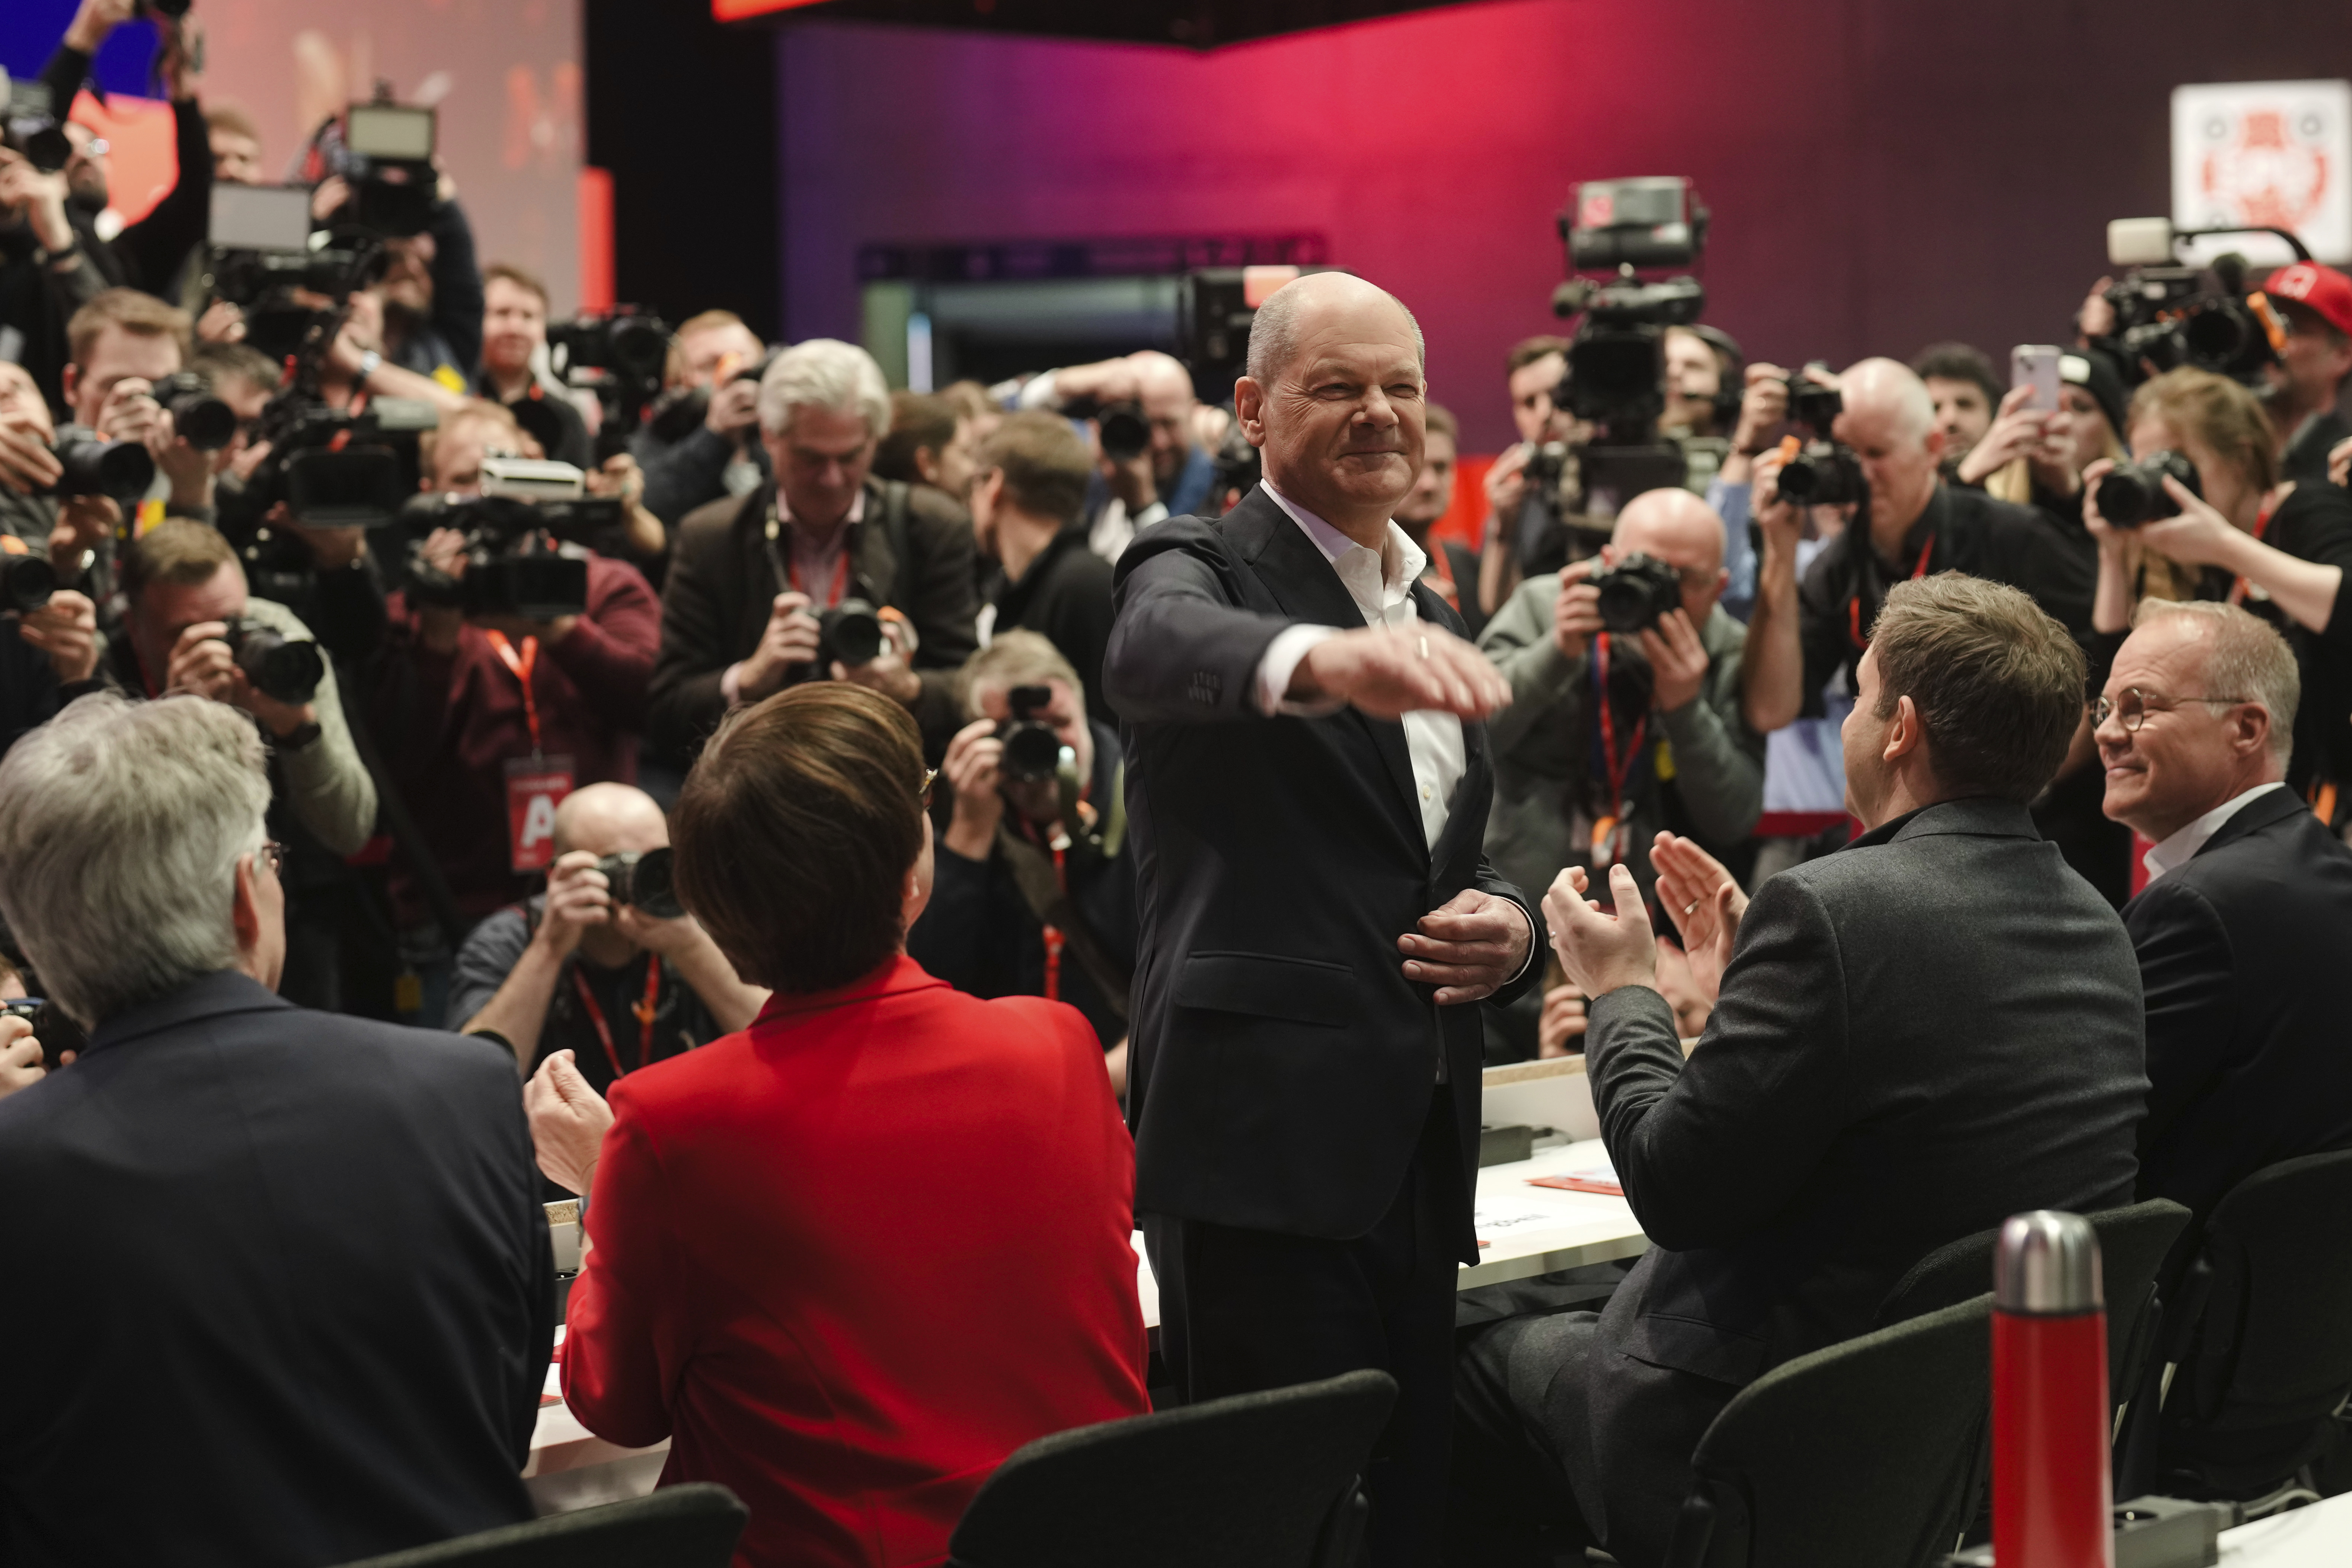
column 2051, row 1490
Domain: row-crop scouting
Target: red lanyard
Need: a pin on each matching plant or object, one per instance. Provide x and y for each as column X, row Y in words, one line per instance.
column 1440, row 576
column 2261, row 526
column 1054, row 938
column 840, row 577
column 521, row 665
column 1854, row 605
column 644, row 1010
column 1616, row 767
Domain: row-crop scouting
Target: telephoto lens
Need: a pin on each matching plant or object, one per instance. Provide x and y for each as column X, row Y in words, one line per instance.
column 1637, row 592
column 1033, row 752
column 25, row 582
column 2133, row 493
column 96, row 467
column 644, row 879
column 1126, row 435
column 288, row 671
column 199, row 418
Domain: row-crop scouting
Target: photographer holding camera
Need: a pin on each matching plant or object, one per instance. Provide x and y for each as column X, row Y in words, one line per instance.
column 128, row 350
column 2316, row 303
column 1625, row 717
column 1907, row 523
column 477, row 712
column 45, row 274
column 1026, row 515
column 514, row 346
column 826, row 574
column 718, row 454
column 605, row 966
column 1151, row 465
column 1032, row 896
column 1523, row 524
column 2204, row 490
column 192, row 626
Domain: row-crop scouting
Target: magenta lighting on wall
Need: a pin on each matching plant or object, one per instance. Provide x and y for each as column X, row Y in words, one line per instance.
column 1190, row 24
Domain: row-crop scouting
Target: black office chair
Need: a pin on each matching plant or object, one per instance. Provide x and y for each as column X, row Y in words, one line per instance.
column 2262, row 1336
column 1860, row 1456
column 1259, row 1480
column 677, row 1527
column 2132, row 1242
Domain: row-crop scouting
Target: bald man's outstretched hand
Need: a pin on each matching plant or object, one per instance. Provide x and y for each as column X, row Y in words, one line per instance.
column 1388, row 674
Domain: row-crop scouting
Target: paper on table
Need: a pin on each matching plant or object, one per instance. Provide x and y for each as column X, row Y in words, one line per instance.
column 1600, row 1178
column 1488, row 1218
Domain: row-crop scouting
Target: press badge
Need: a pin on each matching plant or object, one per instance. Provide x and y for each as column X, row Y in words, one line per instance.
column 535, row 787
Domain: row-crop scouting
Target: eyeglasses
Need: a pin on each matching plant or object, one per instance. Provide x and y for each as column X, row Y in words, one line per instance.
column 930, row 777
column 2133, row 706
column 271, row 853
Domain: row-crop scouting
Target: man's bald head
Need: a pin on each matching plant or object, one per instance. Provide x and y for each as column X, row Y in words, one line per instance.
column 608, row 818
column 1888, row 395
column 1302, row 303
column 1673, row 525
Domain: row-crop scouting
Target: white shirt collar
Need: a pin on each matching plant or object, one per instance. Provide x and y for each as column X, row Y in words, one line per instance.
column 1400, row 564
column 2176, row 851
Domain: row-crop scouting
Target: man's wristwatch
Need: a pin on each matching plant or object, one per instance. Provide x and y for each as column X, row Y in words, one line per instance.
column 368, row 362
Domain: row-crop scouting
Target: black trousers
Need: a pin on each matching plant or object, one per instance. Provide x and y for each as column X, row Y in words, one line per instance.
column 1243, row 1310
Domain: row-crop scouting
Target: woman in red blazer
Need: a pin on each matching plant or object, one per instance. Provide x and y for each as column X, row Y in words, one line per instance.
column 850, row 1258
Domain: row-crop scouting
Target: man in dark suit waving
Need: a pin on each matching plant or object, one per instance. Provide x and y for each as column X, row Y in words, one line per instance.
column 1308, row 805
column 2244, row 929
column 1933, row 1028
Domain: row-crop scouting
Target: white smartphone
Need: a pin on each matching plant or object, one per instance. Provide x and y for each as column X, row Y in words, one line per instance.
column 2036, row 366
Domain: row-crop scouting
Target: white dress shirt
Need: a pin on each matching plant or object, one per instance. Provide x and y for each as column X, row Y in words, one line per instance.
column 2175, row 851
column 1381, row 581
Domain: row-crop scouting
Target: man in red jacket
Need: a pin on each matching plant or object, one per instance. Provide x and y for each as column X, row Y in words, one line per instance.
column 485, row 722
column 850, row 1258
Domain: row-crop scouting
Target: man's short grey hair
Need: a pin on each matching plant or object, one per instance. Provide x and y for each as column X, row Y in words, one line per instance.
column 121, row 824
column 1273, row 333
column 2245, row 658
column 828, row 373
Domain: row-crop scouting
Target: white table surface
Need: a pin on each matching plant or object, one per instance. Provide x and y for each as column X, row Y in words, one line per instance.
column 2319, row 1536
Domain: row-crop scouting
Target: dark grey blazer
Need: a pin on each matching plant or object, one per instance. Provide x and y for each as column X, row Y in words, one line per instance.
column 1282, row 1063
column 1932, row 1029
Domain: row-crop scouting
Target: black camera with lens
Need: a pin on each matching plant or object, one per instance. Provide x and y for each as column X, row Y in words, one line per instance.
column 286, row 670
column 849, row 633
column 1637, row 593
column 622, row 355
column 199, row 418
column 1032, row 749
column 25, row 582
column 30, row 125
column 646, row 880
column 94, row 466
column 58, row 1034
column 1121, row 428
column 2133, row 494
column 1824, row 472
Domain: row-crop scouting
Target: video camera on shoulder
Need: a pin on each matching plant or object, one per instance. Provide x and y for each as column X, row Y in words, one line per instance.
column 524, row 538
column 383, row 151
column 263, row 256
column 621, row 355
column 1821, row 471
column 30, row 125
column 2169, row 314
column 1616, row 358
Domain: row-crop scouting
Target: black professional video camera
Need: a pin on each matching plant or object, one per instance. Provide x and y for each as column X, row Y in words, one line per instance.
column 645, row 879
column 1616, row 360
column 2133, row 494
column 383, row 151
column 621, row 355
column 288, row 671
column 1033, row 750
column 1637, row 593
column 1822, row 471
column 25, row 582
column 515, row 531
column 2169, row 314
column 260, row 257
column 30, row 125
column 1215, row 307
column 94, row 466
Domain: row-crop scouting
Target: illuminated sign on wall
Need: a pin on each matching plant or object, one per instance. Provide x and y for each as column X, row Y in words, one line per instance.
column 2277, row 153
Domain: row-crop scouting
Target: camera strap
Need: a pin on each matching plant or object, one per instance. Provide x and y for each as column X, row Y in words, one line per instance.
column 521, row 664
column 644, row 1011
column 1610, row 831
column 1854, row 605
column 2238, row 589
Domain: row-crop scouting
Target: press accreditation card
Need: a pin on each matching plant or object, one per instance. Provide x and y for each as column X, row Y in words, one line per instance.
column 535, row 787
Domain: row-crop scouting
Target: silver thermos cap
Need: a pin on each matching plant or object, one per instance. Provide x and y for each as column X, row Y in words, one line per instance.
column 2047, row 1264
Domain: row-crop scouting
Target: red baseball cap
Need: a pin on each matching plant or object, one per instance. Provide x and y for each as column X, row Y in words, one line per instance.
column 2322, row 288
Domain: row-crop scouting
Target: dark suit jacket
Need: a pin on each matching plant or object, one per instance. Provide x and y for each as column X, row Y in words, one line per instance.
column 1282, row 1065
column 1932, row 1029
column 283, row 1286
column 2240, row 951
column 721, row 582
column 1064, row 597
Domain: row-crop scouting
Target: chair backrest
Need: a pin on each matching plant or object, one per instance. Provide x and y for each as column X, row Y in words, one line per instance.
column 1257, row 1480
column 1860, row 1456
column 690, row 1526
column 2132, row 1242
column 2271, row 1356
